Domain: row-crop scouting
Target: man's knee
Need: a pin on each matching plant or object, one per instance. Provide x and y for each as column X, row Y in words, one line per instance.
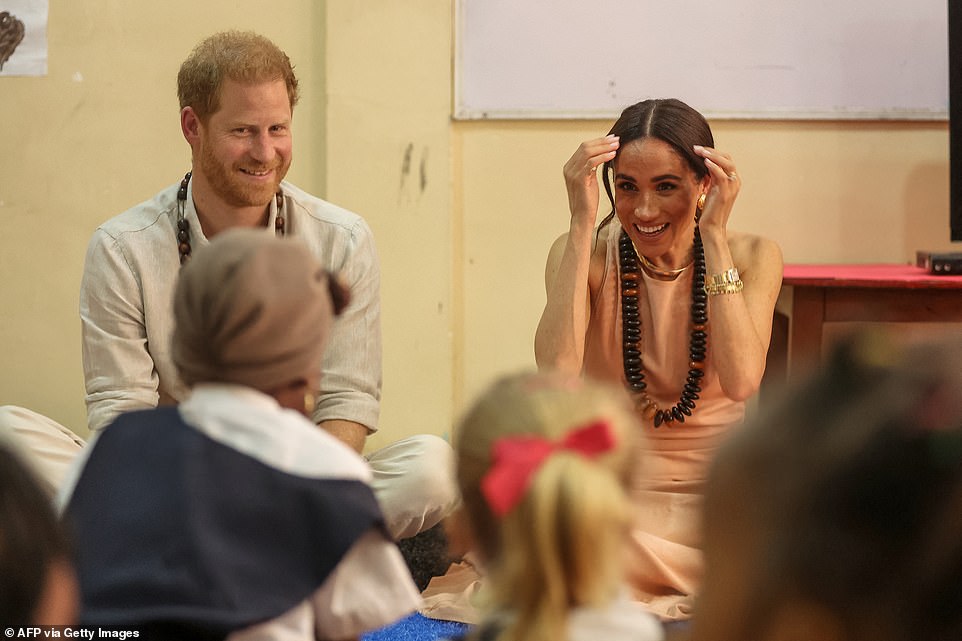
column 48, row 447
column 414, row 480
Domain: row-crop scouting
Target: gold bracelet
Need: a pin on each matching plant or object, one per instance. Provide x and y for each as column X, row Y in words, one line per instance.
column 727, row 282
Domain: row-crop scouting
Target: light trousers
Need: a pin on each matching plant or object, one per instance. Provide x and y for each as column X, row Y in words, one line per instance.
column 412, row 478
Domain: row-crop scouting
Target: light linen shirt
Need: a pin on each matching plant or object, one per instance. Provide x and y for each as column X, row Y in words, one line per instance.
column 126, row 306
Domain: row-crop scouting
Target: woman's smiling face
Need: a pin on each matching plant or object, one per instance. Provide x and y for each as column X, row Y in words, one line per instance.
column 656, row 193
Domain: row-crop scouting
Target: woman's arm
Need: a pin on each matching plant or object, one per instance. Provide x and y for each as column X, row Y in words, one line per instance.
column 560, row 339
column 740, row 323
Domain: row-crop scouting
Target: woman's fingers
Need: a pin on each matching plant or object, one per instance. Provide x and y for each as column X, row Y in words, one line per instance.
column 602, row 152
column 720, row 173
column 581, row 178
column 720, row 165
column 590, row 154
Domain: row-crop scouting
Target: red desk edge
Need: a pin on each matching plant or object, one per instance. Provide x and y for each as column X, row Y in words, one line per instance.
column 868, row 275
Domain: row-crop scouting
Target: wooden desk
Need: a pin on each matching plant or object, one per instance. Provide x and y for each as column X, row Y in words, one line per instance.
column 813, row 295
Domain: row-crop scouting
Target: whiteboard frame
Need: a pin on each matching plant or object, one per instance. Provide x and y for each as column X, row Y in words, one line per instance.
column 460, row 112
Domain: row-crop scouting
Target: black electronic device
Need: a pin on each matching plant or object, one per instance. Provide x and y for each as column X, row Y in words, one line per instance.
column 955, row 118
column 943, row 263
column 951, row 262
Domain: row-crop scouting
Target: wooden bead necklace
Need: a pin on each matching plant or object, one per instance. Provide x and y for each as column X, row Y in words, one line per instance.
column 631, row 334
column 183, row 225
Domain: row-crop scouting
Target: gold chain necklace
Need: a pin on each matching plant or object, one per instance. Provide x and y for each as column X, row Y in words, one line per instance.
column 659, row 273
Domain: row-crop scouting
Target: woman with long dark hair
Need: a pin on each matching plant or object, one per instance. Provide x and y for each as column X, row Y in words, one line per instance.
column 664, row 298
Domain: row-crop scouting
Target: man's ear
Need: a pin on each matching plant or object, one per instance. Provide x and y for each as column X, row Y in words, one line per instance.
column 801, row 620
column 190, row 125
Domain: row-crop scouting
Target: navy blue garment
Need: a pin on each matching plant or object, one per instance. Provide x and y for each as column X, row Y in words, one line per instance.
column 175, row 530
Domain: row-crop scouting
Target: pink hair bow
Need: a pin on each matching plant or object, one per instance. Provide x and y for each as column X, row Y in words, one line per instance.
column 515, row 459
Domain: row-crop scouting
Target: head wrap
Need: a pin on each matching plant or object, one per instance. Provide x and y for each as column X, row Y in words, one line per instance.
column 251, row 309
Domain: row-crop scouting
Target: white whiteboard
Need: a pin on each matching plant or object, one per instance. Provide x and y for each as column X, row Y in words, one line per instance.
column 804, row 59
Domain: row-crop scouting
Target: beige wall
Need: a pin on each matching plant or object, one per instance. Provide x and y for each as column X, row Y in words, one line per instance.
column 463, row 211
column 95, row 136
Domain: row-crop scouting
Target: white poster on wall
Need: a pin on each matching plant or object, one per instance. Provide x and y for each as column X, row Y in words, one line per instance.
column 23, row 37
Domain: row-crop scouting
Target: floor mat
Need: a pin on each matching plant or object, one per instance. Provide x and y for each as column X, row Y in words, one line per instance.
column 416, row 627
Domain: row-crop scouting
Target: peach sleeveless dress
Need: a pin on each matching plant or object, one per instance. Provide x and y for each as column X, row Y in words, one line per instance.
column 666, row 562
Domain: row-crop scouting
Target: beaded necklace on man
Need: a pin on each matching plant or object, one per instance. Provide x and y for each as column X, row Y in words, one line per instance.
column 631, row 333
column 183, row 225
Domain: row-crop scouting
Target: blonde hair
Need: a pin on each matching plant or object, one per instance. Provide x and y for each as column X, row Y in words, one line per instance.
column 561, row 545
column 243, row 56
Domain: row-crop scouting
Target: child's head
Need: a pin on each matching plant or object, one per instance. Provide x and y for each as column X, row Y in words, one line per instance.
column 837, row 514
column 37, row 581
column 556, row 538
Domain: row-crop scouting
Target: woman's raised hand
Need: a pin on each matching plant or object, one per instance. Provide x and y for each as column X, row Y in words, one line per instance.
column 581, row 176
column 722, row 190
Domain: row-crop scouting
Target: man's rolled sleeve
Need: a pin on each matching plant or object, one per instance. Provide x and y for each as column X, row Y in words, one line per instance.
column 119, row 372
column 350, row 387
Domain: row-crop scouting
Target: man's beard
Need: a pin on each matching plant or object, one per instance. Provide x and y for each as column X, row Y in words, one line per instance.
column 233, row 189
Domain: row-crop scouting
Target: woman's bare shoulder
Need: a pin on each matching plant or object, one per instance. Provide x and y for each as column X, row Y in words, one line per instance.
column 598, row 256
column 599, row 253
column 754, row 251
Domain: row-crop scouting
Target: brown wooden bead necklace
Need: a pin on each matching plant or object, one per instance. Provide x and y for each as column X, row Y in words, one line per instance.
column 631, row 334
column 183, row 225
